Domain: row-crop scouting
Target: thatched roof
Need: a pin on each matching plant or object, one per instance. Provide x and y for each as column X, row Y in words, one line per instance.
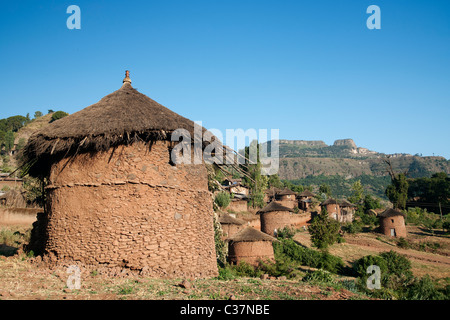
column 122, row 117
column 274, row 206
column 225, row 218
column 345, row 203
column 329, row 201
column 251, row 234
column 286, row 192
column 391, row 213
column 306, row 193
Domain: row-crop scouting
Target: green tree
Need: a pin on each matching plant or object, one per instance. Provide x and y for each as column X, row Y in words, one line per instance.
column 9, row 141
column 324, row 231
column 397, row 191
column 37, row 114
column 58, row 115
column 255, row 180
column 325, row 188
column 357, row 196
column 222, row 199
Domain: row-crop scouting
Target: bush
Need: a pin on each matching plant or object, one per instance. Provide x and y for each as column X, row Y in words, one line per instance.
column 307, row 257
column 403, row 243
column 424, row 289
column 286, row 233
column 222, row 199
column 353, row 227
column 318, row 277
column 58, row 115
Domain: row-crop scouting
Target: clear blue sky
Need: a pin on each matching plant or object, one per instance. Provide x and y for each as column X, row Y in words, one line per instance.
column 311, row 69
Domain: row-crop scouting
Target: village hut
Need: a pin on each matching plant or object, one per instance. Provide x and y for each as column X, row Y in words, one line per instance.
column 251, row 246
column 274, row 217
column 305, row 199
column 287, row 198
column 392, row 223
column 333, row 208
column 230, row 225
column 347, row 211
column 115, row 196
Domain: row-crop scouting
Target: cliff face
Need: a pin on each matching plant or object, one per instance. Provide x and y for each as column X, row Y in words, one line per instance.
column 300, row 158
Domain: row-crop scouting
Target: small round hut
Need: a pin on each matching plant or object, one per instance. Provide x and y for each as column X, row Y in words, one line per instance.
column 287, row 198
column 392, row 223
column 333, row 208
column 114, row 196
column 274, row 217
column 230, row 225
column 251, row 246
column 305, row 199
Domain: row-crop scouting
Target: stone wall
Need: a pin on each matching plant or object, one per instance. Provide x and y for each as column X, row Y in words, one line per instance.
column 397, row 223
column 130, row 208
column 230, row 229
column 250, row 251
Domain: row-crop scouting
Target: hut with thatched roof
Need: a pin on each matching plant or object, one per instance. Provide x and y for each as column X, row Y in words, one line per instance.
column 274, row 217
column 333, row 208
column 347, row 211
column 392, row 223
column 230, row 225
column 251, row 246
column 305, row 199
column 287, row 198
column 115, row 197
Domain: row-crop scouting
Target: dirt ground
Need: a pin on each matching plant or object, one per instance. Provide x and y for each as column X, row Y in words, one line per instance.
column 22, row 280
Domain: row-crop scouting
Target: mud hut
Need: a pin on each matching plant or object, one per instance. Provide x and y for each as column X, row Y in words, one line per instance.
column 115, row 197
column 251, row 246
column 333, row 208
column 230, row 225
column 347, row 211
column 305, row 199
column 287, row 198
column 392, row 223
column 274, row 217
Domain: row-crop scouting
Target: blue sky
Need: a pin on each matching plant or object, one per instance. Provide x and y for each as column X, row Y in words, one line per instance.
column 311, row 69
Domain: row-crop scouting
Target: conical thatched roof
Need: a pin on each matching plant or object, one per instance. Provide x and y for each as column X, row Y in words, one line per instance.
column 329, row 201
column 391, row 213
column 225, row 218
column 345, row 203
column 122, row 117
column 306, row 193
column 286, row 192
column 251, row 234
column 274, row 206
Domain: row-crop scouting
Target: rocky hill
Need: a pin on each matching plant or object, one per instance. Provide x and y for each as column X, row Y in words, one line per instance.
column 340, row 164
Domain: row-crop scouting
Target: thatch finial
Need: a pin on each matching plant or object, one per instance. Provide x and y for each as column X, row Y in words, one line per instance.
column 127, row 77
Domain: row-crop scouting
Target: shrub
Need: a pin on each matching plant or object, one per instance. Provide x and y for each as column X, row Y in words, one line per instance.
column 286, row 233
column 424, row 289
column 318, row 277
column 353, row 227
column 58, row 115
column 403, row 243
column 222, row 199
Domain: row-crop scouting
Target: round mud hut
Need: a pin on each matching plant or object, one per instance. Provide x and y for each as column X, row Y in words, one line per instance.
column 392, row 223
column 114, row 196
column 251, row 246
column 230, row 225
column 274, row 217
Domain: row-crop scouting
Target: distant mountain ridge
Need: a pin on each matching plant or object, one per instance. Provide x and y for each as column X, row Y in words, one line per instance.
column 302, row 158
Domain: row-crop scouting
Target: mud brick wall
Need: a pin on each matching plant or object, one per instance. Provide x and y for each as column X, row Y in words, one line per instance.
column 237, row 206
column 250, row 251
column 274, row 220
column 300, row 219
column 396, row 222
column 131, row 208
column 288, row 201
column 229, row 230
